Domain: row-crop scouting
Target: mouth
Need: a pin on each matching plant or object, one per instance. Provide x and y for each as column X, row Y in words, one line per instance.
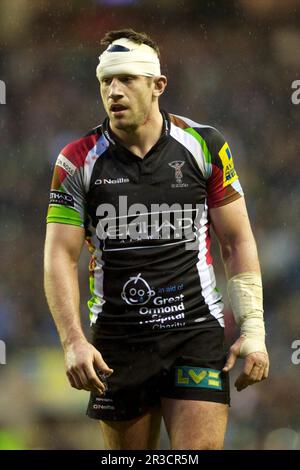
column 117, row 108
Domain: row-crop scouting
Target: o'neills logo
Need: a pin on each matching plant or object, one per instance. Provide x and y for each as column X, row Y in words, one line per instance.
column 112, row 181
column 177, row 165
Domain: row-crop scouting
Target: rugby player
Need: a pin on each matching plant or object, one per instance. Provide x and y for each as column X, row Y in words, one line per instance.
column 143, row 189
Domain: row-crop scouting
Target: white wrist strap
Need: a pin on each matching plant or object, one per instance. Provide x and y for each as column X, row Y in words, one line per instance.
column 246, row 298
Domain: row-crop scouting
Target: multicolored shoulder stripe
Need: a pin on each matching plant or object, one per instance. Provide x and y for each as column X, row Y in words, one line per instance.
column 213, row 157
column 70, row 180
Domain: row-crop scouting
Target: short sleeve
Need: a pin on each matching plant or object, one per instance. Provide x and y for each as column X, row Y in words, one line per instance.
column 67, row 204
column 223, row 186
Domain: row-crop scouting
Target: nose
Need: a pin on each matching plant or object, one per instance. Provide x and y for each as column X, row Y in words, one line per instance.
column 115, row 89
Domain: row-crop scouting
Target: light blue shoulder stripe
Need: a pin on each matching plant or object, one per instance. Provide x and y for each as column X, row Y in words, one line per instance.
column 91, row 158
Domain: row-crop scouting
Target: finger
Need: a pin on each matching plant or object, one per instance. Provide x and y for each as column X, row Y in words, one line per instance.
column 74, row 383
column 248, row 365
column 84, row 379
column 71, row 380
column 260, row 364
column 100, row 364
column 260, row 374
column 266, row 371
column 96, row 388
column 95, row 384
column 230, row 362
column 242, row 382
column 81, row 378
column 243, row 385
column 256, row 373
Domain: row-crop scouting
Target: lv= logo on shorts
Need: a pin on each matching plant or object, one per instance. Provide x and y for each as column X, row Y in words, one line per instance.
column 200, row 377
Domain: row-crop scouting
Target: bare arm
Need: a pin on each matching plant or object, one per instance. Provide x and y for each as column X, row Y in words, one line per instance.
column 238, row 248
column 62, row 251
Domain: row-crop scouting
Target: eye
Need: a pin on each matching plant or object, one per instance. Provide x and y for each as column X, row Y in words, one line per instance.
column 126, row 79
column 106, row 81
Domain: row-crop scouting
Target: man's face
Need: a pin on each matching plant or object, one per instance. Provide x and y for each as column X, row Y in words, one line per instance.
column 127, row 100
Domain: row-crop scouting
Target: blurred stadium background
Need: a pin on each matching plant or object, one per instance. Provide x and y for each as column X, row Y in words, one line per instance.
column 229, row 64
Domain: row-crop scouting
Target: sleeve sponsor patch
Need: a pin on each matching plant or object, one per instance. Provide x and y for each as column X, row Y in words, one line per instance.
column 64, row 163
column 61, row 199
column 229, row 173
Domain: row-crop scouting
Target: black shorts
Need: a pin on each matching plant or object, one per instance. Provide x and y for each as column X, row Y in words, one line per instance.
column 184, row 365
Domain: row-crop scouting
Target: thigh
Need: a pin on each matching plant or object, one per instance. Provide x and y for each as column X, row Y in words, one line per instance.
column 195, row 368
column 195, row 425
column 132, row 390
column 141, row 433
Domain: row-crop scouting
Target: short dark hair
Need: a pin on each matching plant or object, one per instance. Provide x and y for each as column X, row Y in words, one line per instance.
column 139, row 38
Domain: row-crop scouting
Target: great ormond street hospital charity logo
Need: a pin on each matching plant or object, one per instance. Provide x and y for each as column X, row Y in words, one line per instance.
column 137, row 291
column 158, row 311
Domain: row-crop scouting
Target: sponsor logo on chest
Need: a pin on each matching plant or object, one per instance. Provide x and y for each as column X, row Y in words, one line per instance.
column 157, row 311
column 111, row 181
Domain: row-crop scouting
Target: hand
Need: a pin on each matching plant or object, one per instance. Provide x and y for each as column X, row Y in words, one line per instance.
column 256, row 366
column 82, row 361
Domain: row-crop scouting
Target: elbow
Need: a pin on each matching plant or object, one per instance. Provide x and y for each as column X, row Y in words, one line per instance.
column 56, row 259
column 227, row 251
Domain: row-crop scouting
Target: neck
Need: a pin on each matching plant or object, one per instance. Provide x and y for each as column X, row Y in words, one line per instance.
column 140, row 140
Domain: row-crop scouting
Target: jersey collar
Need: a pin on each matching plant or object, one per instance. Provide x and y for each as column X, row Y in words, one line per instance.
column 115, row 141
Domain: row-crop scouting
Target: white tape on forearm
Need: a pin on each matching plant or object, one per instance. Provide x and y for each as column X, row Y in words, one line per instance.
column 246, row 298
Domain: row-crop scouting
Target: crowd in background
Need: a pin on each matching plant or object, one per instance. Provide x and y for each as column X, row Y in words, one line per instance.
column 232, row 72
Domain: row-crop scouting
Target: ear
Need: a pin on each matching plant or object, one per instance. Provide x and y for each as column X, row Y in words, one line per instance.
column 160, row 84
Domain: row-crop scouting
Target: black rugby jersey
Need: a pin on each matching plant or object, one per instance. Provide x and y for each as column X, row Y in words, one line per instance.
column 147, row 224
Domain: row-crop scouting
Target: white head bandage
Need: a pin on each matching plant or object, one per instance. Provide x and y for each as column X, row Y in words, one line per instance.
column 126, row 57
